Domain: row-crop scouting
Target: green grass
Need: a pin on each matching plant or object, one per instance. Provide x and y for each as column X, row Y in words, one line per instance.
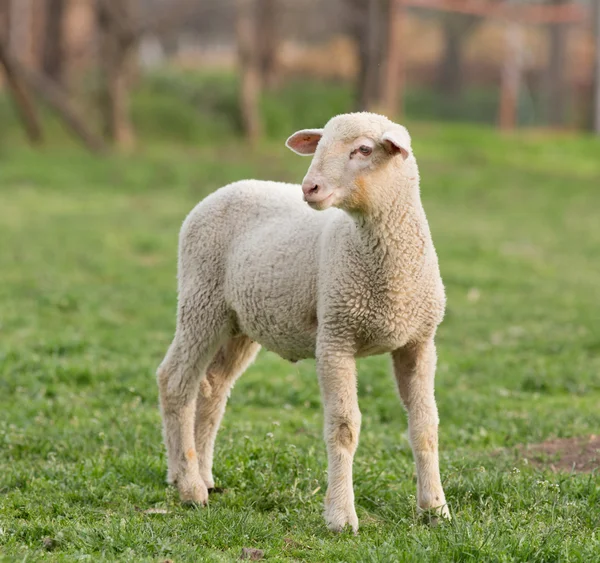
column 87, row 303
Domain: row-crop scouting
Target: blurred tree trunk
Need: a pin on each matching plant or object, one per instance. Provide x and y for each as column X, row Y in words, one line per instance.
column 4, row 21
column 356, row 13
column 53, row 46
column 556, row 84
column 510, row 84
column 268, row 40
column 116, row 56
column 59, row 101
column 54, row 96
column 20, row 93
column 20, row 43
column 370, row 30
column 394, row 75
column 456, row 29
column 595, row 121
column 370, row 88
column 249, row 67
column 16, row 85
column 449, row 72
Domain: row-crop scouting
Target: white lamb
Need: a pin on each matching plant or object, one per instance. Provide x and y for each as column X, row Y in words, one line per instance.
column 258, row 266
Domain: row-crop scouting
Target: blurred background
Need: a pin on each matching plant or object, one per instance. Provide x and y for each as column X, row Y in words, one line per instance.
column 115, row 70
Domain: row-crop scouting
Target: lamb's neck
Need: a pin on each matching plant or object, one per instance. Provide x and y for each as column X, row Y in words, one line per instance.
column 395, row 231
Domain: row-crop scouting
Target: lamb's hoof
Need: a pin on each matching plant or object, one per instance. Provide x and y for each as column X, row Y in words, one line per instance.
column 444, row 512
column 338, row 517
column 193, row 491
column 216, row 490
column 436, row 515
column 208, row 480
column 171, row 478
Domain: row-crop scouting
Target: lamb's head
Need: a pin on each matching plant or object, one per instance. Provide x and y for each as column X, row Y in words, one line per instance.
column 356, row 157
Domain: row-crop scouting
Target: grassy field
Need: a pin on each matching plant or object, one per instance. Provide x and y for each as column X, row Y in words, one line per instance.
column 87, row 303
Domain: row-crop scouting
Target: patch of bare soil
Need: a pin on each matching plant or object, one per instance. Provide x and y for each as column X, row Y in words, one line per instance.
column 581, row 455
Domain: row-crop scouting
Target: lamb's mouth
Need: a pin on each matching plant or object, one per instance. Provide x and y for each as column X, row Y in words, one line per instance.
column 316, row 202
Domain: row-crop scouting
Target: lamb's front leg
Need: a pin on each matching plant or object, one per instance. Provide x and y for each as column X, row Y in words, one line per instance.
column 414, row 368
column 337, row 377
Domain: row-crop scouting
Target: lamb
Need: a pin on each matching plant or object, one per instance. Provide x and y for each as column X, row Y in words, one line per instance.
column 354, row 273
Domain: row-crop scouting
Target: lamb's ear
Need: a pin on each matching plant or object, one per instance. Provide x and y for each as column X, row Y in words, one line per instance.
column 397, row 141
column 304, row 142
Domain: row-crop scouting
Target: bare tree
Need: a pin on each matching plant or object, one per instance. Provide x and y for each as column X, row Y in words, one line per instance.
column 120, row 31
column 394, row 75
column 249, row 66
column 596, row 95
column 556, row 85
column 378, row 27
column 5, row 22
column 56, row 98
column 510, row 84
column 369, row 28
column 20, row 93
column 374, row 30
column 456, row 29
column 20, row 37
column 53, row 45
column 116, row 54
column 268, row 40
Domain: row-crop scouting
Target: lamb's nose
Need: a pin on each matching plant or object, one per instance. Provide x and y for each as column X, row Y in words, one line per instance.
column 310, row 188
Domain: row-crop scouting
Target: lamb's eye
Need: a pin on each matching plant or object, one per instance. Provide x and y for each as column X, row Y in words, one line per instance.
column 364, row 150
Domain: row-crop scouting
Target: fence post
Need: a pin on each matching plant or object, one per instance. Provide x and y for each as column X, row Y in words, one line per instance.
column 511, row 77
column 556, row 84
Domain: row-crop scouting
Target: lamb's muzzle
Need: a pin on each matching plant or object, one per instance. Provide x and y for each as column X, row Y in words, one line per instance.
column 316, row 196
column 310, row 189
column 257, row 266
column 316, row 190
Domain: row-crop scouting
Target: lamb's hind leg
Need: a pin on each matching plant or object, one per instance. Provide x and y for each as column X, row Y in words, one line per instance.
column 414, row 368
column 199, row 334
column 230, row 362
